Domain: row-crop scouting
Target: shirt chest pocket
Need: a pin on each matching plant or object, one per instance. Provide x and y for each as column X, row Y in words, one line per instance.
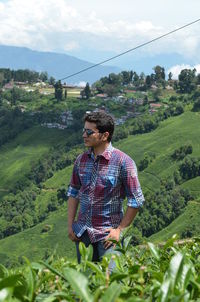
column 84, row 178
column 109, row 180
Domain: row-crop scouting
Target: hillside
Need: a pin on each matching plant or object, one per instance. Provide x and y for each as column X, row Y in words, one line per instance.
column 171, row 133
column 183, row 225
column 20, row 154
column 55, row 64
column 39, row 242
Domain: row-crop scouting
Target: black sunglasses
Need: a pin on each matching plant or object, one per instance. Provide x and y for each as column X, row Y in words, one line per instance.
column 89, row 131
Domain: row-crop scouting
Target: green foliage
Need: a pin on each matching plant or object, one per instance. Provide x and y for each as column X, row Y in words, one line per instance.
column 143, row 164
column 190, row 168
column 187, row 80
column 181, row 152
column 86, row 93
column 196, row 106
column 58, row 91
column 186, row 225
column 145, row 273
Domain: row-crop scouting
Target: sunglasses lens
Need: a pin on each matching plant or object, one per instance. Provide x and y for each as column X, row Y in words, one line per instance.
column 88, row 131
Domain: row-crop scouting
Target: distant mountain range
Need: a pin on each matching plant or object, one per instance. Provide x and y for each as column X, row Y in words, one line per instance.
column 60, row 65
column 55, row 64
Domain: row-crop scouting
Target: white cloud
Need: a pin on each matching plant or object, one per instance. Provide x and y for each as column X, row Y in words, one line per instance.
column 57, row 24
column 71, row 45
column 175, row 70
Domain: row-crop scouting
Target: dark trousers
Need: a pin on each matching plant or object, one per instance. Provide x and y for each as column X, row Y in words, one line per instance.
column 98, row 248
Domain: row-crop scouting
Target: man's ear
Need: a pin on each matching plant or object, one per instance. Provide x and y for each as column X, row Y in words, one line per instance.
column 105, row 136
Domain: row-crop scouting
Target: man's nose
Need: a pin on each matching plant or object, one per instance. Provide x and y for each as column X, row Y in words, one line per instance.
column 84, row 134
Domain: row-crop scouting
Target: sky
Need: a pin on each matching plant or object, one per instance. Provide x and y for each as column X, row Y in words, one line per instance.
column 93, row 30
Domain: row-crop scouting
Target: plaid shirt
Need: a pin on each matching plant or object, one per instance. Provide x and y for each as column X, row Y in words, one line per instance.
column 101, row 185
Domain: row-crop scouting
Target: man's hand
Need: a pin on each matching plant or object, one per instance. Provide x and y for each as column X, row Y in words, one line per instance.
column 72, row 235
column 113, row 234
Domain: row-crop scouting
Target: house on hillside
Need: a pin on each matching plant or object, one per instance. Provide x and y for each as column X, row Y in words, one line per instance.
column 102, row 96
column 155, row 105
column 8, row 86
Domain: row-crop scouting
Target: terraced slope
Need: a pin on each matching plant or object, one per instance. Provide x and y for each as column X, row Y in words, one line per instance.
column 170, row 135
column 28, row 147
column 186, row 222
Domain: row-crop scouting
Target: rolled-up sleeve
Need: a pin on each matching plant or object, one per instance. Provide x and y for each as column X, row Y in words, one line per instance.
column 131, row 183
column 75, row 183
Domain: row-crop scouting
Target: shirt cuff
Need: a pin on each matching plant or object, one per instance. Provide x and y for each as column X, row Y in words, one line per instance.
column 72, row 192
column 133, row 203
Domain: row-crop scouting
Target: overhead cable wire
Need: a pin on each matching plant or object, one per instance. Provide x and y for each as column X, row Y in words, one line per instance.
column 131, row 49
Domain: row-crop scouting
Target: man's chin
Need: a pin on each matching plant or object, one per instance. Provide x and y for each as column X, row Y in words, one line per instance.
column 87, row 144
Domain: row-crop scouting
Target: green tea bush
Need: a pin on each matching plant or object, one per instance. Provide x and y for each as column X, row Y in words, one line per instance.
column 169, row 272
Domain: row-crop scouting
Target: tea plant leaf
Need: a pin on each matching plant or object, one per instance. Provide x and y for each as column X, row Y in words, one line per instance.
column 165, row 291
column 58, row 295
column 96, row 269
column 3, row 271
column 185, row 276
column 5, row 294
column 126, row 242
column 10, row 281
column 37, row 266
column 30, row 279
column 176, row 268
column 170, row 242
column 111, row 293
column 79, row 283
column 53, row 270
column 154, row 251
column 118, row 276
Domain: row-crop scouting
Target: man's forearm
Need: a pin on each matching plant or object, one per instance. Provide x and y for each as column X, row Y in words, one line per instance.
column 72, row 210
column 128, row 218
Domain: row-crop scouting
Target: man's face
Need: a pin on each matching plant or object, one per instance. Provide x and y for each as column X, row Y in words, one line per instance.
column 95, row 139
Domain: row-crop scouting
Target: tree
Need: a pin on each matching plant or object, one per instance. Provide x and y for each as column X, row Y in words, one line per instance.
column 115, row 79
column 136, row 79
column 196, row 106
column 65, row 94
column 187, row 79
column 43, row 76
column 170, row 76
column 148, row 81
column 1, row 79
column 86, row 92
column 126, row 77
column 52, row 81
column 111, row 90
column 58, row 91
column 159, row 73
column 1, row 96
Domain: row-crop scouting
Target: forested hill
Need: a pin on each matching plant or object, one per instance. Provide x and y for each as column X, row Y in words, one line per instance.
column 157, row 125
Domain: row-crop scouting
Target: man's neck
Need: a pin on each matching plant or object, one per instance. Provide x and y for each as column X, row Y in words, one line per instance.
column 100, row 149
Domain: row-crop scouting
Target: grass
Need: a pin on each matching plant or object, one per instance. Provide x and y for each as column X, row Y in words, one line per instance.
column 193, row 185
column 59, row 179
column 170, row 135
column 189, row 220
column 35, row 244
column 28, row 147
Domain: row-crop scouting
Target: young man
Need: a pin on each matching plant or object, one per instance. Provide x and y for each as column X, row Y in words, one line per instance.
column 102, row 177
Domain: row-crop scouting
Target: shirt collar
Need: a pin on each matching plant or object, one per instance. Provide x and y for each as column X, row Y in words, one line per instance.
column 106, row 154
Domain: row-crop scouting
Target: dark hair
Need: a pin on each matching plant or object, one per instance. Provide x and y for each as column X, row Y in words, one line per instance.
column 104, row 122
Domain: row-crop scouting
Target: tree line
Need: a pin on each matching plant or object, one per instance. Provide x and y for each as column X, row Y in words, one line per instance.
column 24, row 75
